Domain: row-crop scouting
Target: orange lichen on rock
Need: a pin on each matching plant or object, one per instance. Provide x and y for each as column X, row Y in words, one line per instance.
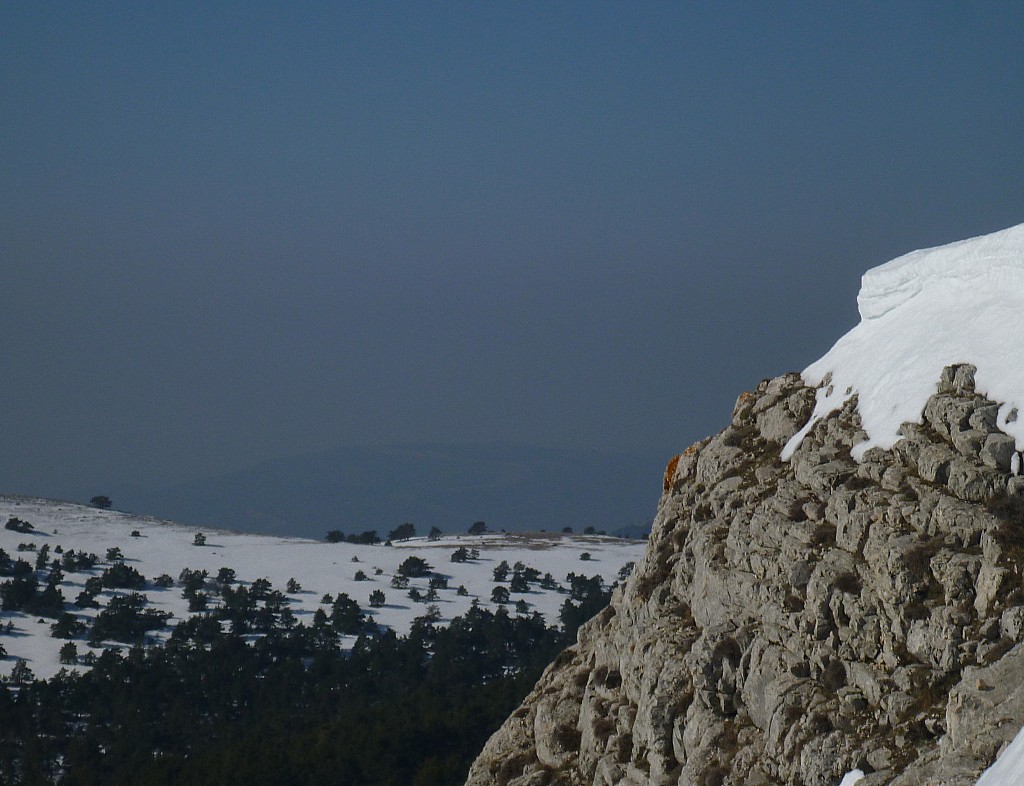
column 745, row 399
column 670, row 470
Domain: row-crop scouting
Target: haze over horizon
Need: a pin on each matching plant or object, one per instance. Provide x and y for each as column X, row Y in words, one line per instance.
column 230, row 235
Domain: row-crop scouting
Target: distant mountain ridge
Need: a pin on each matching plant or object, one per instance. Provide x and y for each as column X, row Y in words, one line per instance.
column 514, row 487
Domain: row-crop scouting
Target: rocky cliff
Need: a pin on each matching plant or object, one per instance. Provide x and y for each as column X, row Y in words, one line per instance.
column 795, row 620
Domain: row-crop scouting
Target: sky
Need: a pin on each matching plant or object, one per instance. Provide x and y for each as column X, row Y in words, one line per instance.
column 238, row 231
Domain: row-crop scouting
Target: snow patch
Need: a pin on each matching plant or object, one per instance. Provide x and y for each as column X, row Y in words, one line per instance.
column 851, row 778
column 959, row 303
column 1008, row 769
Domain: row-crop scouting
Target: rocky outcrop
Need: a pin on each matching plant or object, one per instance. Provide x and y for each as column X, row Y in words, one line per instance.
column 792, row 621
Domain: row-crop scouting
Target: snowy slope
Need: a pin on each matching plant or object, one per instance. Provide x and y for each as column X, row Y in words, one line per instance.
column 959, row 303
column 164, row 547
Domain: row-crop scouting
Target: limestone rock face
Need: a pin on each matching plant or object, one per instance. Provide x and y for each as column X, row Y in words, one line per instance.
column 792, row 621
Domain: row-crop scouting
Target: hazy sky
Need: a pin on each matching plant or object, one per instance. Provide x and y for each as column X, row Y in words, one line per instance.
column 230, row 232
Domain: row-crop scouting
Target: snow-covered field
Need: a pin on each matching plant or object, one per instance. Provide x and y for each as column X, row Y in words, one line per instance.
column 320, row 568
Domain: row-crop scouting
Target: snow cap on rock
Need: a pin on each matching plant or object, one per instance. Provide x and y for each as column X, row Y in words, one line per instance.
column 961, row 303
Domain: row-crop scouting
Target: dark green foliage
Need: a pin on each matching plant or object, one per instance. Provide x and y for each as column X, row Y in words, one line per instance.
column 21, row 674
column 377, row 599
column 346, row 616
column 519, row 583
column 101, row 501
column 126, row 619
column 586, row 597
column 501, row 572
column 460, row 554
column 48, row 603
column 402, row 532
column 367, row 538
column 414, row 567
column 500, row 594
column 18, row 525
column 69, row 653
column 289, row 707
column 163, row 581
column 22, row 569
column 191, row 581
column 67, row 626
column 74, row 562
column 434, row 534
column 16, row 593
column 114, row 554
column 122, row 576
column 199, row 539
column 396, row 712
column 478, row 528
column 86, row 600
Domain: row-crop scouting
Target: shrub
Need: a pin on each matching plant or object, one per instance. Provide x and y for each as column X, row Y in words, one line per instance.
column 67, row 626
column 18, row 525
column 402, row 532
column 121, row 576
column 414, row 567
column 500, row 594
column 126, row 619
column 501, row 572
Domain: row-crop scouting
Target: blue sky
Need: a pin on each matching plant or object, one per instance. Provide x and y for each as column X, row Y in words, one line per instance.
column 231, row 232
